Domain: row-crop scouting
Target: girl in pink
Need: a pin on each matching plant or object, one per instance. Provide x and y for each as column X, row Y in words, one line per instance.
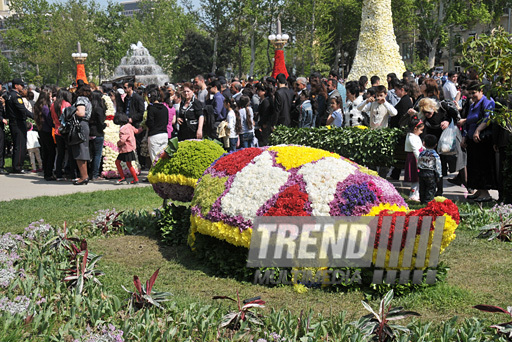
column 127, row 145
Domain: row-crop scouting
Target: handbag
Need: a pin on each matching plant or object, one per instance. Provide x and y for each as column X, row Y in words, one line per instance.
column 76, row 134
column 447, row 140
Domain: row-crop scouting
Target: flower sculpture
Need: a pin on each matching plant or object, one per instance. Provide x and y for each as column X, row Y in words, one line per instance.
column 175, row 178
column 110, row 149
column 294, row 181
column 377, row 51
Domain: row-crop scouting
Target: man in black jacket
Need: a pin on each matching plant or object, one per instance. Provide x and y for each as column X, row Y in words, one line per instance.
column 401, row 120
column 133, row 105
column 283, row 101
column 17, row 114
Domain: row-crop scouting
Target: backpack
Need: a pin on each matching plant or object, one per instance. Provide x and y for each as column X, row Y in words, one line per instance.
column 66, row 119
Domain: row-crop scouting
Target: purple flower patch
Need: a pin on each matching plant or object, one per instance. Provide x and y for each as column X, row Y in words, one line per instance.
column 356, row 197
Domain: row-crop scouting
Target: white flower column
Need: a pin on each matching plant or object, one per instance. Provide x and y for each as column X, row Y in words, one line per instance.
column 377, row 50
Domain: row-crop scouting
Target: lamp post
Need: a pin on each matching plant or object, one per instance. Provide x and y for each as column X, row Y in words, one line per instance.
column 279, row 40
column 79, row 58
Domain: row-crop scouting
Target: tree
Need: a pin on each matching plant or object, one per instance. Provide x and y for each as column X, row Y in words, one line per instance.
column 195, row 56
column 160, row 25
column 27, row 32
column 110, row 27
column 491, row 57
column 5, row 69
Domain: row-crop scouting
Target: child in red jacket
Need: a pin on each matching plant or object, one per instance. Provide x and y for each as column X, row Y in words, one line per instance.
column 127, row 145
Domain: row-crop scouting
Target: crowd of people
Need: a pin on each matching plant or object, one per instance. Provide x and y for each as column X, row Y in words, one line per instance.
column 243, row 113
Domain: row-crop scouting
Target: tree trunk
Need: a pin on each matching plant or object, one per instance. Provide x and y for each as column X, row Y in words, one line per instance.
column 432, row 55
column 253, row 49
column 312, row 62
column 214, row 64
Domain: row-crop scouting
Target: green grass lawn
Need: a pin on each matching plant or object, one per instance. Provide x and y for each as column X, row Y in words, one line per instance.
column 15, row 215
column 480, row 271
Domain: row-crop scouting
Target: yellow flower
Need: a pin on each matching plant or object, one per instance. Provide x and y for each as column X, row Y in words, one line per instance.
column 294, row 156
column 172, row 179
column 361, row 127
column 300, row 288
column 219, row 230
column 375, row 211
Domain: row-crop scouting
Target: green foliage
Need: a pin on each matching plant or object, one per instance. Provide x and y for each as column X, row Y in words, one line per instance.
column 207, row 191
column 174, row 224
column 233, row 320
column 364, row 146
column 502, row 328
column 491, row 55
column 191, row 159
column 145, row 296
column 378, row 323
column 5, row 69
column 418, row 66
column 194, row 56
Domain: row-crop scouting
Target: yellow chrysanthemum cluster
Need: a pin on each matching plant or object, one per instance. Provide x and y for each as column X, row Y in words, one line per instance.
column 294, row 156
column 160, row 177
column 219, row 230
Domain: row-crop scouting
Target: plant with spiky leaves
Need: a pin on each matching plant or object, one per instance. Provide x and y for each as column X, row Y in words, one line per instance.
column 145, row 296
column 377, row 324
column 108, row 220
column 501, row 230
column 232, row 320
column 84, row 271
column 502, row 328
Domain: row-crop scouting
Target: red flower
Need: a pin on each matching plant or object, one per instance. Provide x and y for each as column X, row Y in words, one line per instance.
column 433, row 209
column 291, row 202
column 236, row 161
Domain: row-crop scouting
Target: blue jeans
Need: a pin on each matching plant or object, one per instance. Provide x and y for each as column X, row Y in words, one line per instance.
column 97, row 146
column 246, row 139
column 232, row 144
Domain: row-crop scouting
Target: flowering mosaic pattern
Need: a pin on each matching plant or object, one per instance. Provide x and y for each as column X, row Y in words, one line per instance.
column 110, row 150
column 282, row 181
column 175, row 178
column 440, row 206
column 377, row 50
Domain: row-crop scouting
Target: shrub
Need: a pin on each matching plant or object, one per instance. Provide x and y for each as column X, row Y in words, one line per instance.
column 364, row 146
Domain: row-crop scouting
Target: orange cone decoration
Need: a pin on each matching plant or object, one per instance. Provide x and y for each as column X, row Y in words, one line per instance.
column 80, row 73
column 279, row 64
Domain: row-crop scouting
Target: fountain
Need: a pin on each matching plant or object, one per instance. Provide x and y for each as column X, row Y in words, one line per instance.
column 139, row 63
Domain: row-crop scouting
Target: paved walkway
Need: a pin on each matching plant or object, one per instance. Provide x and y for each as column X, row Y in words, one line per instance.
column 19, row 186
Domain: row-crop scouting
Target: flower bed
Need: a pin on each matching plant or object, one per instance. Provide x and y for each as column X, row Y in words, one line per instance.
column 175, row 178
column 294, row 181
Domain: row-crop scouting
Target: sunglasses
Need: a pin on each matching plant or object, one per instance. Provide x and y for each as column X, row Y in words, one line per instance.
column 428, row 113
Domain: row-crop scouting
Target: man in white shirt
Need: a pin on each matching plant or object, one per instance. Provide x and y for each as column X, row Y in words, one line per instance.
column 202, row 94
column 449, row 88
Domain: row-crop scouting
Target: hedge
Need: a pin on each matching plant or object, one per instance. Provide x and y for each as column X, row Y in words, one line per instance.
column 364, row 146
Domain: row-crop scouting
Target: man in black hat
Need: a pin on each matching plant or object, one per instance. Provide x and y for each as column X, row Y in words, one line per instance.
column 17, row 114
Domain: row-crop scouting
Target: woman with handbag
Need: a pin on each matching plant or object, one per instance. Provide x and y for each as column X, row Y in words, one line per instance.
column 81, row 151
column 478, row 142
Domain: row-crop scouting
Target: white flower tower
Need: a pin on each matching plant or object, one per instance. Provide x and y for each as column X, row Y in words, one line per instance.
column 377, row 50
